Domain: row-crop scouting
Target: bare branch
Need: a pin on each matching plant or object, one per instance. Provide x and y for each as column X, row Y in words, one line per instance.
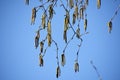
column 116, row 12
column 95, row 68
column 56, row 52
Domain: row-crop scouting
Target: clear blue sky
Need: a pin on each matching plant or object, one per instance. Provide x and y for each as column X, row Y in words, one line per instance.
column 19, row 58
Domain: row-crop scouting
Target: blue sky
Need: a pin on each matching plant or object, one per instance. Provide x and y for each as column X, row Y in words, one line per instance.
column 19, row 58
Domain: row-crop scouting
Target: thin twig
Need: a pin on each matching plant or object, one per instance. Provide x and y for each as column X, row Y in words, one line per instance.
column 56, row 52
column 45, row 51
column 79, row 48
column 98, row 74
column 63, row 6
column 68, row 43
column 115, row 12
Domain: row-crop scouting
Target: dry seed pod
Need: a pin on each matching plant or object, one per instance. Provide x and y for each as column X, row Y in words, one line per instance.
column 27, row 2
column 36, row 42
column 74, row 19
column 58, row 72
column 43, row 20
column 78, row 33
column 81, row 13
column 85, row 24
column 51, row 11
column 33, row 16
column 66, row 21
column 63, row 59
column 65, row 36
column 71, row 4
column 49, row 39
column 41, row 60
column 41, row 46
column 76, row 67
column 49, row 26
column 76, row 11
column 65, row 24
column 98, row 4
column 109, row 26
column 37, row 39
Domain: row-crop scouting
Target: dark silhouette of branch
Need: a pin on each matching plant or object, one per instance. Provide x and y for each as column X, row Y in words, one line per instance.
column 95, row 68
column 116, row 12
column 56, row 52
column 68, row 43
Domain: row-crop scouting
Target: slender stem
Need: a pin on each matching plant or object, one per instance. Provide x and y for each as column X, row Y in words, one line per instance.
column 95, row 68
column 68, row 43
column 45, row 48
column 56, row 52
column 64, row 6
column 45, row 51
column 115, row 12
column 79, row 48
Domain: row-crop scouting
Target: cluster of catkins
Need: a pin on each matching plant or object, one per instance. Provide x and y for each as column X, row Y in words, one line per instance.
column 79, row 13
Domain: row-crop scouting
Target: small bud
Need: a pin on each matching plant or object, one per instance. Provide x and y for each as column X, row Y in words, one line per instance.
column 85, row 24
column 58, row 72
column 109, row 26
column 81, row 13
column 41, row 60
column 44, row 20
column 41, row 46
column 74, row 18
column 98, row 4
column 78, row 33
column 33, row 16
column 49, row 39
column 63, row 61
column 76, row 67
column 51, row 11
column 36, row 41
column 49, row 26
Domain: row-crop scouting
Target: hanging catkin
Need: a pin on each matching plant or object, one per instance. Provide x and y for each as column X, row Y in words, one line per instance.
column 58, row 72
column 85, row 24
column 63, row 59
column 78, row 32
column 41, row 46
column 76, row 67
column 109, row 26
column 98, row 4
column 41, row 62
column 51, row 11
column 33, row 16
column 43, row 20
column 71, row 4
